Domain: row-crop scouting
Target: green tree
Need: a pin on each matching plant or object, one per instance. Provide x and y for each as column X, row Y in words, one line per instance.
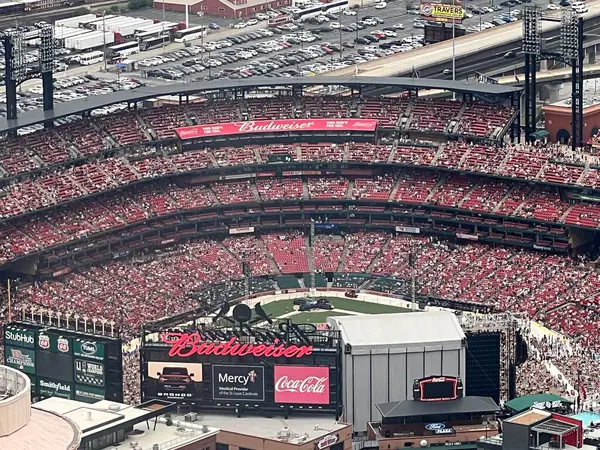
column 81, row 11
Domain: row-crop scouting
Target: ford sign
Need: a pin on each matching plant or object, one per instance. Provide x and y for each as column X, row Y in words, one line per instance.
column 435, row 426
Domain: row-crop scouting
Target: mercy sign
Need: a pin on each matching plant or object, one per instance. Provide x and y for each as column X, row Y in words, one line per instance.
column 188, row 344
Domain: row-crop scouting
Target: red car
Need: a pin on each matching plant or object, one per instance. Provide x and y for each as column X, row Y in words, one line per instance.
column 176, row 379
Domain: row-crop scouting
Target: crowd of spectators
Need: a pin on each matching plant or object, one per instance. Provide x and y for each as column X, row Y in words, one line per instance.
column 558, row 291
column 85, row 218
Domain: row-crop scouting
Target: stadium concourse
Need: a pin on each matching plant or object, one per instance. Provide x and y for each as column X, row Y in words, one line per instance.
column 121, row 221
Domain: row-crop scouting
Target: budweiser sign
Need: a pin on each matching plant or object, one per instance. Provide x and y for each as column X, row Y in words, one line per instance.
column 275, row 126
column 302, row 385
column 189, row 344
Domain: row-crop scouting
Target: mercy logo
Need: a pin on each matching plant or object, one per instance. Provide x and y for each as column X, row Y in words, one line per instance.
column 238, row 379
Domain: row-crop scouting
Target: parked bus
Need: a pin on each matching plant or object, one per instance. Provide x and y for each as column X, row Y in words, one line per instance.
column 325, row 8
column 153, row 43
column 190, row 34
column 90, row 58
column 279, row 20
column 121, row 51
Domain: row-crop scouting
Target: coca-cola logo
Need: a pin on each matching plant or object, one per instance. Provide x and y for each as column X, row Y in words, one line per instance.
column 304, row 386
column 301, row 384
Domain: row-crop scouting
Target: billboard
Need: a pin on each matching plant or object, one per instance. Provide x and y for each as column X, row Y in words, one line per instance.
column 440, row 12
column 45, row 354
column 238, row 383
column 437, row 388
column 276, row 126
column 54, row 366
column 54, row 342
column 88, row 349
column 90, row 373
column 88, row 394
column 174, row 380
column 53, row 388
column 22, row 359
column 301, row 385
column 19, row 336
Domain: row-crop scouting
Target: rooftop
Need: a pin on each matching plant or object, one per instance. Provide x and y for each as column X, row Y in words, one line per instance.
column 399, row 331
column 44, row 431
column 529, row 417
column 302, row 429
column 470, row 404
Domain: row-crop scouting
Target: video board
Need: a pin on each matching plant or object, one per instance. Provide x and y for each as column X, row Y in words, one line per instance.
column 64, row 363
column 221, row 370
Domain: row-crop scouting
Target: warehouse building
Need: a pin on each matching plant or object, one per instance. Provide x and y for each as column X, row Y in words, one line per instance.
column 384, row 354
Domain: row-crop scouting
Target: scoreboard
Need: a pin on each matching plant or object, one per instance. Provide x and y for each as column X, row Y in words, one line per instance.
column 65, row 363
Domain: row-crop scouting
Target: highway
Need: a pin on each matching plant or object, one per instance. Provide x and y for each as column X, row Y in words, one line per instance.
column 471, row 49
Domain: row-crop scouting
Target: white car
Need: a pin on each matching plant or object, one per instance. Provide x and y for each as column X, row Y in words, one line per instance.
column 580, row 9
column 261, row 16
column 240, row 25
column 334, row 25
column 37, row 90
column 398, row 26
column 381, row 5
column 349, row 12
column 553, row 7
column 390, row 33
column 251, row 22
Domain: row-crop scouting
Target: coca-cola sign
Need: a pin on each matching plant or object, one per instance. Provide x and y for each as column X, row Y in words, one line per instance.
column 276, row 126
column 302, row 385
column 186, row 345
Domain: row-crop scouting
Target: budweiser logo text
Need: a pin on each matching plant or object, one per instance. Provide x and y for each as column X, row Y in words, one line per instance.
column 189, row 344
column 309, row 385
column 274, row 126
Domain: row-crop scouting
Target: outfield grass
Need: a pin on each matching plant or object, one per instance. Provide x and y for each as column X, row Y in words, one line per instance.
column 314, row 317
column 278, row 309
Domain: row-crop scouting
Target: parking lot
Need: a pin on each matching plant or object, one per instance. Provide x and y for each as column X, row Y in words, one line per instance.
column 340, row 40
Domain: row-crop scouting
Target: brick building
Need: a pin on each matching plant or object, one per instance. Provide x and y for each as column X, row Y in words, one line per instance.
column 223, row 8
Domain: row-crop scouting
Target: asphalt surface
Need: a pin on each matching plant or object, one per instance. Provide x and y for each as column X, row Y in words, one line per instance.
column 394, row 13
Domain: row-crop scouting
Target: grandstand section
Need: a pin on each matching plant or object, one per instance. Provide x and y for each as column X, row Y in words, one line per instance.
column 119, row 219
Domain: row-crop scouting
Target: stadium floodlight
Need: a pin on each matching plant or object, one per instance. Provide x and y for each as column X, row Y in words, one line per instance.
column 18, row 55
column 47, row 49
column 569, row 39
column 532, row 39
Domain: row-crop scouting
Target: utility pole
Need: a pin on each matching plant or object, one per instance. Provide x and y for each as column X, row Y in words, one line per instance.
column 104, row 37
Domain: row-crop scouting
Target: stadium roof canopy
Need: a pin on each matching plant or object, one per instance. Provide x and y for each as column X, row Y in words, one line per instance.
column 463, row 405
column 391, row 84
column 390, row 332
column 539, row 401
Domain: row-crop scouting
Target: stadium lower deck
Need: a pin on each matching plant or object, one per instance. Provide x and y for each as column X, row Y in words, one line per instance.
column 125, row 223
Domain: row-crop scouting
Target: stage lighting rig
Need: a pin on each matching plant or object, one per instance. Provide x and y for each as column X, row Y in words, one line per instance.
column 532, row 38
column 47, row 49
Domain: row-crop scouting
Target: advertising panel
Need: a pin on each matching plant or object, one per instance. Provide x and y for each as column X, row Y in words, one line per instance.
column 88, row 394
column 440, row 12
column 52, row 388
column 20, row 337
column 275, row 126
column 301, row 385
column 89, row 373
column 88, row 349
column 54, row 366
column 22, row 359
column 238, row 383
column 174, row 380
column 54, row 342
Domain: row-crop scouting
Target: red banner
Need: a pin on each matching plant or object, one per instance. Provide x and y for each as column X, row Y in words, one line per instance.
column 302, row 385
column 275, row 126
